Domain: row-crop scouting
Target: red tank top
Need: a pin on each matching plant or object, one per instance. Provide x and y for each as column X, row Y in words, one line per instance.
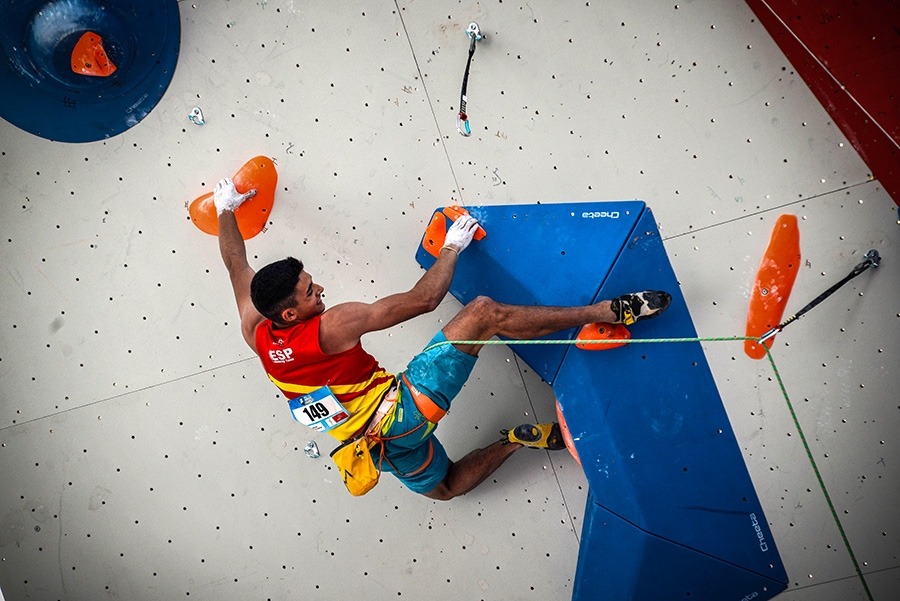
column 296, row 364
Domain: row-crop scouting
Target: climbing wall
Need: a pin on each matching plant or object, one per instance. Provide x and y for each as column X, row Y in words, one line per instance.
column 144, row 454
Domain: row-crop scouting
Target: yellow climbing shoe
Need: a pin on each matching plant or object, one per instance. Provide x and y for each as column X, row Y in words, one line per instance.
column 536, row 436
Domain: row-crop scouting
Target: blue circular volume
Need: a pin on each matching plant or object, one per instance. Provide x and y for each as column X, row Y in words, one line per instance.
column 44, row 96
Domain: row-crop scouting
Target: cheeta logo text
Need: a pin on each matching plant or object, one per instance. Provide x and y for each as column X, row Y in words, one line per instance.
column 284, row 356
column 600, row 215
column 762, row 540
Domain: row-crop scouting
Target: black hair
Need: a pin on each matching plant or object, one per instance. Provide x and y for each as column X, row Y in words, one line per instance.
column 273, row 288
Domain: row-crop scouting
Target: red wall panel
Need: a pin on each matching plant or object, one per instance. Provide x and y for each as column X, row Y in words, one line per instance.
column 848, row 53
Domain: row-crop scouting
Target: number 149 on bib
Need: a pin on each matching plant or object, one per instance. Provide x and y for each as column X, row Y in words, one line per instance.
column 319, row 410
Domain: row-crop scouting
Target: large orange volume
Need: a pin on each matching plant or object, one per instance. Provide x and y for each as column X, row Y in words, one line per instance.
column 774, row 281
column 258, row 173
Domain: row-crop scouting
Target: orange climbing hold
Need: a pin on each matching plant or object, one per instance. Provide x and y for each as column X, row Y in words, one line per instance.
column 434, row 234
column 774, row 281
column 89, row 57
column 258, row 173
column 437, row 229
column 601, row 331
column 567, row 436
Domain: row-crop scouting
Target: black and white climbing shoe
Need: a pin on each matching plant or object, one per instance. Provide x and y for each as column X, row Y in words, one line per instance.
column 630, row 308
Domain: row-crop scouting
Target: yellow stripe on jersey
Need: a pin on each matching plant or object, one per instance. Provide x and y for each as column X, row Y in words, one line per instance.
column 339, row 389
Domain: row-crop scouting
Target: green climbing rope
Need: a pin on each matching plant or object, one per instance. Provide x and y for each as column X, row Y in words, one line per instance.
column 787, row 399
column 815, row 467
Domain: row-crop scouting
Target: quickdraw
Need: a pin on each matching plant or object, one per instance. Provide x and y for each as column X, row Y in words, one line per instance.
column 462, row 120
column 872, row 260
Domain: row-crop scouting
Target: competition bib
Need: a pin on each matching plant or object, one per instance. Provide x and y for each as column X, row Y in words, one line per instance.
column 319, row 410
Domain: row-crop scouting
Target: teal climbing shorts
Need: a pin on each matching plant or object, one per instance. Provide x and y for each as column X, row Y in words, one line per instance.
column 413, row 453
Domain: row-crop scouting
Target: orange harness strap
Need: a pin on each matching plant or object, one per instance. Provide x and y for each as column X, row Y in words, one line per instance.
column 419, row 469
column 383, row 457
column 426, row 406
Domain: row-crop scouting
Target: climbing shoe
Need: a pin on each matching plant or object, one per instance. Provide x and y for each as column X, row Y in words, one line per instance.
column 639, row 306
column 536, row 436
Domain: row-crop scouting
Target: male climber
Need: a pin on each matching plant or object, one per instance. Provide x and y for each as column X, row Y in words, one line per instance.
column 304, row 347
